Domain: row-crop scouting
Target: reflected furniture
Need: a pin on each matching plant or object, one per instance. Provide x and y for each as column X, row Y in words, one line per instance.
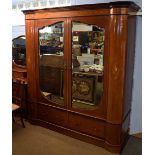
column 19, row 72
column 52, row 67
column 19, row 50
column 17, row 101
column 19, row 58
column 87, row 94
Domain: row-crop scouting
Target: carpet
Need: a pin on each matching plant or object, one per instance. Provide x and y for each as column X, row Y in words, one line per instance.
column 36, row 140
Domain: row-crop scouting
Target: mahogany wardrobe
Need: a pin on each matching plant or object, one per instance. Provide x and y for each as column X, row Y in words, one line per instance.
column 80, row 62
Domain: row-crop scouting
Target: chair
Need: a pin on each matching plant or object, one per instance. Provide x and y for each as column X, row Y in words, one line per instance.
column 17, row 96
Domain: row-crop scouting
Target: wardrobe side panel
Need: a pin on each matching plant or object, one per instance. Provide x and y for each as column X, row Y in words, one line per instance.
column 116, row 72
column 30, row 57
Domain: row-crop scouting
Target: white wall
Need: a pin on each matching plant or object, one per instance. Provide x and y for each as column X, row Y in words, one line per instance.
column 18, row 18
column 136, row 111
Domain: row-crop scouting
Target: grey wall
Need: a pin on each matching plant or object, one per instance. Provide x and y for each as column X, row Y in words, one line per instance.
column 136, row 112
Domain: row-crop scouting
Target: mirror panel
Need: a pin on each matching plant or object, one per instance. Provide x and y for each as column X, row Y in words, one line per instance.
column 51, row 49
column 87, row 66
column 19, row 51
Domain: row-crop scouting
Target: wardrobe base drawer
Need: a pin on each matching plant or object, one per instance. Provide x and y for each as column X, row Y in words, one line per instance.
column 52, row 115
column 87, row 125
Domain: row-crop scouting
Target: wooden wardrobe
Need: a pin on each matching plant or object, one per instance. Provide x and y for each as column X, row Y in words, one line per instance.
column 80, row 62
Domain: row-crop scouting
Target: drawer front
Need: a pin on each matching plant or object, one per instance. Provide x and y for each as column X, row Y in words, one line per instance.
column 87, row 125
column 52, row 115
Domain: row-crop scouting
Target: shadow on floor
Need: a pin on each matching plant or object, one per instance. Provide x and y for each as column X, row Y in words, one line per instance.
column 133, row 147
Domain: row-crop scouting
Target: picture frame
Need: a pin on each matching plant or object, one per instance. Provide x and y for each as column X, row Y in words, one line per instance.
column 86, row 59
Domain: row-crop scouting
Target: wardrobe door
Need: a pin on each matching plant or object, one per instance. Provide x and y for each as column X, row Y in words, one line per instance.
column 50, row 59
column 89, row 64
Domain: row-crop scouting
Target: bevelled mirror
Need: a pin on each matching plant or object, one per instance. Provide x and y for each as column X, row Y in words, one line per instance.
column 87, row 65
column 51, row 56
column 19, row 51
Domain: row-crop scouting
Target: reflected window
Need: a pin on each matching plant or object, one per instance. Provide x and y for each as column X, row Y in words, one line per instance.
column 87, row 65
column 51, row 48
column 19, row 51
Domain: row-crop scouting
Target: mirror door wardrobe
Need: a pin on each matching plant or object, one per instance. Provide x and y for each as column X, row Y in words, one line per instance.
column 80, row 63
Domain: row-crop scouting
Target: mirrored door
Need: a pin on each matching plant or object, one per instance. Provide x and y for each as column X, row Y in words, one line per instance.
column 87, row 73
column 51, row 62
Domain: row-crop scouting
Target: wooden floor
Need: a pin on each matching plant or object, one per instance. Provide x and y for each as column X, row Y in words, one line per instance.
column 35, row 140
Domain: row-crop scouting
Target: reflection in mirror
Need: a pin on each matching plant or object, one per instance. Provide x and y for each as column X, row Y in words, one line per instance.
column 51, row 47
column 87, row 65
column 19, row 51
